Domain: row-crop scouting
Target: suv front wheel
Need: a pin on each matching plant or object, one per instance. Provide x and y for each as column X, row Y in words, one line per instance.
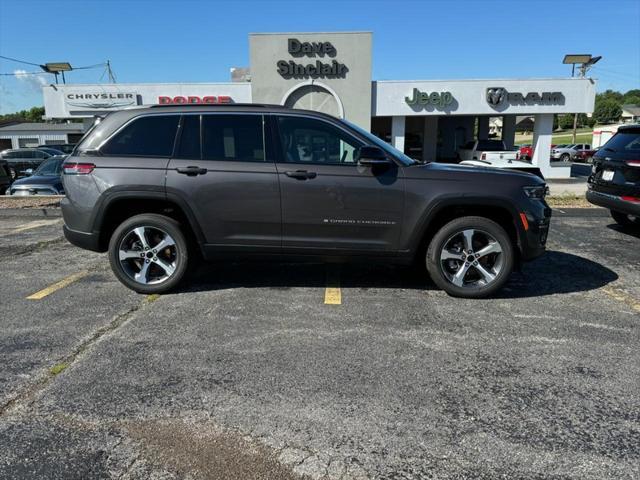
column 470, row 257
column 148, row 253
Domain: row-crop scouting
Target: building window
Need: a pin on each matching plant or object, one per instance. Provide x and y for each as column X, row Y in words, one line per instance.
column 28, row 142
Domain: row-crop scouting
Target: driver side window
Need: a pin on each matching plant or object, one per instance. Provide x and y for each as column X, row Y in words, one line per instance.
column 307, row 140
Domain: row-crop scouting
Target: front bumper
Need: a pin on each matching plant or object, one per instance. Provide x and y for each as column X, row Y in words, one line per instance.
column 533, row 235
column 613, row 202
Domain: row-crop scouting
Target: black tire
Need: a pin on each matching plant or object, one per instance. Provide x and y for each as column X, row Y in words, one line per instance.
column 180, row 254
column 625, row 219
column 443, row 235
column 565, row 157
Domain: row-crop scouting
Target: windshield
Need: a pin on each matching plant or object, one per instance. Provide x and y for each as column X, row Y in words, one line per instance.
column 382, row 144
column 50, row 167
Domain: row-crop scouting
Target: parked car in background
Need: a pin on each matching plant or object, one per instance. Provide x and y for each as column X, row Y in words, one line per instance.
column 525, row 152
column 5, row 177
column 569, row 151
column 585, row 156
column 615, row 176
column 51, row 151
column 19, row 160
column 486, row 150
column 45, row 180
column 63, row 147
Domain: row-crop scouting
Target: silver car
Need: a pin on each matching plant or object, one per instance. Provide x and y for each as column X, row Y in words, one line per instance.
column 568, row 152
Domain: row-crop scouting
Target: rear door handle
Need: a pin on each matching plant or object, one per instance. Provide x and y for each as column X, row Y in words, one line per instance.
column 191, row 171
column 301, row 174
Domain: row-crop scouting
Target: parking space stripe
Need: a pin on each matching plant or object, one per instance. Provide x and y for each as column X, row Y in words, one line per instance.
column 35, row 224
column 622, row 296
column 57, row 286
column 332, row 293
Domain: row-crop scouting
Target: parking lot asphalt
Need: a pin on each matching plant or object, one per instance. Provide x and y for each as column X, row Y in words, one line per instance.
column 257, row 370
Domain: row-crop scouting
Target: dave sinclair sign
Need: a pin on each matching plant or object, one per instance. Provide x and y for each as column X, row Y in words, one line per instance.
column 296, row 48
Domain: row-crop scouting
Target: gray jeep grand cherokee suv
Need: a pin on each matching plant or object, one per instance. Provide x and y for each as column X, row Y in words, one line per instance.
column 159, row 186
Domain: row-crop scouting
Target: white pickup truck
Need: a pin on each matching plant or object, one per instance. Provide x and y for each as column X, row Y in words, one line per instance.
column 486, row 150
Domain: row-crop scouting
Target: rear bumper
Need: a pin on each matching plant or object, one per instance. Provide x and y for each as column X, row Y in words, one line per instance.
column 88, row 241
column 613, row 202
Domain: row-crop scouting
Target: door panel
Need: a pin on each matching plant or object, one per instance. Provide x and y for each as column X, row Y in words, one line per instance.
column 231, row 187
column 330, row 202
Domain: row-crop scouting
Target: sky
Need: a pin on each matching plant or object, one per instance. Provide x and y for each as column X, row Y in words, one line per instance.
column 198, row 41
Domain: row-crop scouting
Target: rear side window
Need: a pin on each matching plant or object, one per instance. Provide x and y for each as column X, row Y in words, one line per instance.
column 151, row 136
column 624, row 142
column 189, row 144
column 233, row 138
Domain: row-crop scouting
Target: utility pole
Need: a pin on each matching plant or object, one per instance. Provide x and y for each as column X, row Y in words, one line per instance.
column 112, row 77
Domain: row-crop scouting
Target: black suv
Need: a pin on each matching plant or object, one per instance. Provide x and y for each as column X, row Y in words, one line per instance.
column 615, row 176
column 159, row 186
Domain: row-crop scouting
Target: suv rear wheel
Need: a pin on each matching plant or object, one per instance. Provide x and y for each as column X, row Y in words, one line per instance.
column 149, row 253
column 624, row 219
column 470, row 257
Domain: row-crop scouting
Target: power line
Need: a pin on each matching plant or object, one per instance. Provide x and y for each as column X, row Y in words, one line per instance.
column 19, row 61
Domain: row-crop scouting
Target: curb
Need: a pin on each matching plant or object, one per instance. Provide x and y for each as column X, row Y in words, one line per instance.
column 31, row 212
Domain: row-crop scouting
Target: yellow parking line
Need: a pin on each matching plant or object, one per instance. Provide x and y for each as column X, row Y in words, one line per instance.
column 57, row 286
column 622, row 296
column 35, row 224
column 332, row 293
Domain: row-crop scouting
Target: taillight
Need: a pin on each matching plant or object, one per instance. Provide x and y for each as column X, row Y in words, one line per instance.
column 483, row 156
column 633, row 163
column 78, row 168
column 628, row 198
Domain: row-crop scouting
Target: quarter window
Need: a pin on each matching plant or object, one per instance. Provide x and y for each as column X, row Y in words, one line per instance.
column 151, row 136
column 306, row 140
column 233, row 138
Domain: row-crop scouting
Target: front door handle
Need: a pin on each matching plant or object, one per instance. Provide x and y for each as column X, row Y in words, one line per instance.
column 301, row 174
column 191, row 170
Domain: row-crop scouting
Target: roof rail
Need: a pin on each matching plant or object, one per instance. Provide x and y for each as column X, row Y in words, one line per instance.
column 253, row 105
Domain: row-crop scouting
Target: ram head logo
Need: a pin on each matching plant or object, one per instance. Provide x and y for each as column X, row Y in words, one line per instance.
column 496, row 96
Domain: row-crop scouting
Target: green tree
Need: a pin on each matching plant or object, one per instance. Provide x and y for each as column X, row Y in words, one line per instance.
column 632, row 96
column 34, row 114
column 610, row 95
column 606, row 110
column 565, row 122
column 631, row 100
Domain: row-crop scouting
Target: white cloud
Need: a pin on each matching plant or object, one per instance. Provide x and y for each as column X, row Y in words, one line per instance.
column 33, row 82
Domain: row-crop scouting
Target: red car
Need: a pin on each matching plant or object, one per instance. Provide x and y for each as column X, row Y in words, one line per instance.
column 525, row 152
column 585, row 156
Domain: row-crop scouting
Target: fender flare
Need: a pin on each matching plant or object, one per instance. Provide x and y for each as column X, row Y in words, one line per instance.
column 143, row 192
column 452, row 200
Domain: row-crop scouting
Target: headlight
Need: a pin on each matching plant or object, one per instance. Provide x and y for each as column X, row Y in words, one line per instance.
column 537, row 191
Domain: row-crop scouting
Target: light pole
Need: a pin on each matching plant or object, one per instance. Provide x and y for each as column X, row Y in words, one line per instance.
column 56, row 68
column 586, row 61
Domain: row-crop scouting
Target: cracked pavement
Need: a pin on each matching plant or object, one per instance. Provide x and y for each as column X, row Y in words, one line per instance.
column 246, row 373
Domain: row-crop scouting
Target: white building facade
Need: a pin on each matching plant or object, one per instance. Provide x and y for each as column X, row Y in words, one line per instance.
column 331, row 72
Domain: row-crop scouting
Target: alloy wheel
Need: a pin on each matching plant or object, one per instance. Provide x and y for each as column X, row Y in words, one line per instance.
column 148, row 255
column 471, row 258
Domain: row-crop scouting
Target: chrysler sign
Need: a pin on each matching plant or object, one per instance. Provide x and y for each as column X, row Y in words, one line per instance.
column 101, row 100
column 500, row 97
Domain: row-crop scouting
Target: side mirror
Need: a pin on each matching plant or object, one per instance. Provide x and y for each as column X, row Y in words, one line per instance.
column 28, row 172
column 370, row 156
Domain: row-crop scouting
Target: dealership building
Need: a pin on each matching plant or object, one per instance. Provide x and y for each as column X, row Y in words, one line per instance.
column 331, row 72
